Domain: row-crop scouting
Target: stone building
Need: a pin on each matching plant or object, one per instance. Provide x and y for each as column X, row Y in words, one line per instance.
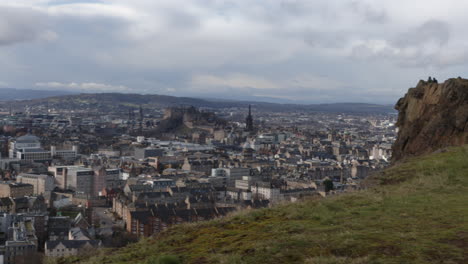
column 15, row 190
column 42, row 183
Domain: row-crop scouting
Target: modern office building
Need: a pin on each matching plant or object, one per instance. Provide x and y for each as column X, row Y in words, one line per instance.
column 28, row 147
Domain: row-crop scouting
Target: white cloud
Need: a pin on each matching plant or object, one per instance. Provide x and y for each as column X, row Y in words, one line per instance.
column 87, row 86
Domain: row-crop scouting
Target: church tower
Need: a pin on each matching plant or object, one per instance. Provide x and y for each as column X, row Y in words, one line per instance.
column 249, row 121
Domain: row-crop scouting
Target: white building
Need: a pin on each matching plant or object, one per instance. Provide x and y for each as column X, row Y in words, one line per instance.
column 271, row 194
column 28, row 147
column 235, row 173
column 22, row 143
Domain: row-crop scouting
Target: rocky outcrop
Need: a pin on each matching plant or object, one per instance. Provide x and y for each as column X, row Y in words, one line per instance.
column 432, row 116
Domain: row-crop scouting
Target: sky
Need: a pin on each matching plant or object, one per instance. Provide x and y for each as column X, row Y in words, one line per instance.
column 302, row 51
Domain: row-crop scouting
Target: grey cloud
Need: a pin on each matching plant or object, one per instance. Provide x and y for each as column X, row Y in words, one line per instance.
column 326, row 39
column 22, row 25
column 181, row 20
column 369, row 13
column 435, row 31
column 420, row 46
column 157, row 46
column 294, row 7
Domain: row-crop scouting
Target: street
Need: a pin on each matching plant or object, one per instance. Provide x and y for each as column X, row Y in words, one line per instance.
column 106, row 221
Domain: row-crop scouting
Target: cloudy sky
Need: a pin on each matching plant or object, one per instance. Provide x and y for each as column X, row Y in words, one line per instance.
column 300, row 50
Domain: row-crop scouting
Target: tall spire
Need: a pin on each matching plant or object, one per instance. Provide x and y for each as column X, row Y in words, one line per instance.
column 249, row 120
column 141, row 113
column 140, row 120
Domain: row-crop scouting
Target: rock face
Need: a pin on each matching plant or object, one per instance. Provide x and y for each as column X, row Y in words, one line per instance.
column 432, row 116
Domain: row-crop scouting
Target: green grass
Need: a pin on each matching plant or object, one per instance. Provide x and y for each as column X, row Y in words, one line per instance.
column 71, row 214
column 416, row 213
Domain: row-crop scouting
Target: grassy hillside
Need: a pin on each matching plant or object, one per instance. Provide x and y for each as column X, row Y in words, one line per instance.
column 417, row 213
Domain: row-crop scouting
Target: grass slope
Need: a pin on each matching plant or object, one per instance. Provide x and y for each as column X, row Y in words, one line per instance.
column 417, row 213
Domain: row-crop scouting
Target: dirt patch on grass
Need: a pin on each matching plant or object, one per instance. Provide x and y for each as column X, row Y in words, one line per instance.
column 460, row 241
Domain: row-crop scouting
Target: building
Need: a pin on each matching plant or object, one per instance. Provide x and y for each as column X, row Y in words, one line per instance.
column 20, row 239
column 42, row 183
column 99, row 180
column 228, row 176
column 113, row 178
column 66, row 154
column 34, row 154
column 265, row 191
column 22, row 143
column 204, row 166
column 158, row 218
column 143, row 153
column 235, row 173
column 60, row 175
column 80, row 179
column 28, row 147
column 249, row 121
column 66, row 248
column 245, row 183
column 106, row 179
column 58, row 227
column 161, row 183
column 15, row 190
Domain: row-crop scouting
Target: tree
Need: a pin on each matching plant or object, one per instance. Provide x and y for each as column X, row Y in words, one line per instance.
column 328, row 184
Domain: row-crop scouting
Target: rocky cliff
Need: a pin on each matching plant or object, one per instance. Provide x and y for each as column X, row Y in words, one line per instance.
column 432, row 116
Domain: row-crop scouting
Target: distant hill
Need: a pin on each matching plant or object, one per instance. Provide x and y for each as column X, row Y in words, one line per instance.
column 10, row 94
column 118, row 101
column 413, row 213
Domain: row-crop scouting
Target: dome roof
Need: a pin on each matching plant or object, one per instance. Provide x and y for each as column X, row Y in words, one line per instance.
column 27, row 139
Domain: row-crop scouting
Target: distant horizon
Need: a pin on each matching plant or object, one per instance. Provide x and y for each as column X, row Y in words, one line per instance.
column 252, row 99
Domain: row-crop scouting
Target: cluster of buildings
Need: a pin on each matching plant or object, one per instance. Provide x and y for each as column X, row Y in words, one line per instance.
column 111, row 174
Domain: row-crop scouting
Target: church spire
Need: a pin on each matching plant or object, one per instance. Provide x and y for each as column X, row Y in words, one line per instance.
column 249, row 120
column 140, row 120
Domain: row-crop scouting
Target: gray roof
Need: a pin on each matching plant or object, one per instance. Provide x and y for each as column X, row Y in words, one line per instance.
column 28, row 138
column 72, row 243
column 35, row 150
